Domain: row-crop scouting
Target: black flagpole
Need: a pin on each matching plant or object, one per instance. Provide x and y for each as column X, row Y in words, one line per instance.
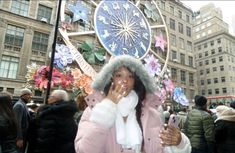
column 53, row 52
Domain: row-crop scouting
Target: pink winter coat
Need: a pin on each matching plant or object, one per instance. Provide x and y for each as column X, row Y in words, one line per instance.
column 95, row 138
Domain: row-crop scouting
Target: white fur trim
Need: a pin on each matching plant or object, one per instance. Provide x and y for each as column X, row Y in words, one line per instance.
column 104, row 113
column 183, row 147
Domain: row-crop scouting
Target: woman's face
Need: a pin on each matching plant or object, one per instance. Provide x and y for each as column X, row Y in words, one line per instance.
column 123, row 77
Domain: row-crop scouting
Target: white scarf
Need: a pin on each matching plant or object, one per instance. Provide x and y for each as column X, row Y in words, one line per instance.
column 129, row 134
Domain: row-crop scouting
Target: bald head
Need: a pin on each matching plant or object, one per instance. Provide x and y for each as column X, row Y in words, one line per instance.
column 58, row 95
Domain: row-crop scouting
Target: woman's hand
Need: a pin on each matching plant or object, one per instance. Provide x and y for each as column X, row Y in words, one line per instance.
column 116, row 93
column 170, row 136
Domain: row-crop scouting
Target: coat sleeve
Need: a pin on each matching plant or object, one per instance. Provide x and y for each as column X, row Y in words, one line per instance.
column 18, row 110
column 183, row 147
column 94, row 128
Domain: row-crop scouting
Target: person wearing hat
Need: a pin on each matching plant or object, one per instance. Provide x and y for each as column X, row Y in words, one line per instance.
column 22, row 117
column 199, row 127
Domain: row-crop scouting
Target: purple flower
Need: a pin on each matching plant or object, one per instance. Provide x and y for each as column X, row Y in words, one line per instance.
column 63, row 56
column 152, row 65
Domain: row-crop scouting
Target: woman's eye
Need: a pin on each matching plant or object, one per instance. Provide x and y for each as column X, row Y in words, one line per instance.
column 118, row 75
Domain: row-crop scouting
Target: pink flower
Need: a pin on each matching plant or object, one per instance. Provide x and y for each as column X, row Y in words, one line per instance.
column 169, row 86
column 152, row 65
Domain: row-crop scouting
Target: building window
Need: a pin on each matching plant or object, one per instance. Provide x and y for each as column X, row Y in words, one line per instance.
column 207, row 62
column 182, row 77
column 199, row 47
column 172, row 10
column 221, row 68
column 172, row 24
column 201, row 72
column 40, row 41
column 203, row 92
column 220, row 49
column 212, row 51
column 200, row 55
column 191, row 80
column 14, row 36
column 181, row 43
column 163, row 5
column 224, row 90
column 212, row 43
column 221, row 58
column 214, row 69
column 38, row 93
column 174, row 55
column 9, row 67
column 200, row 63
column 213, row 60
column 223, row 79
column 209, row 91
column 20, row 7
column 207, row 71
column 181, row 28
column 10, row 90
column 219, row 41
column 1, row 88
column 188, row 30
column 215, row 80
column 206, row 53
column 216, row 91
column 190, row 61
column 205, row 45
column 182, row 59
column 173, row 39
column 208, row 81
column 187, row 18
column 174, row 73
column 189, row 46
column 44, row 12
column 202, row 82
column 180, row 14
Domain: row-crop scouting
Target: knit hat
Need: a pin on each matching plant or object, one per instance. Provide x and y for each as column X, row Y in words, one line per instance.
column 200, row 100
column 232, row 104
column 25, row 91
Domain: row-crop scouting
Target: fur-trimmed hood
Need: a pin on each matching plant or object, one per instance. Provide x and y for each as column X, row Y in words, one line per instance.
column 135, row 65
column 225, row 113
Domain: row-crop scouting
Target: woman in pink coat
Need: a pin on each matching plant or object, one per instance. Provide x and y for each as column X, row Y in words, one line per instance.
column 124, row 114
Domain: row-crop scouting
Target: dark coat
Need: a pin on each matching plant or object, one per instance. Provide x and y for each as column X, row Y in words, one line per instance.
column 7, row 137
column 56, row 128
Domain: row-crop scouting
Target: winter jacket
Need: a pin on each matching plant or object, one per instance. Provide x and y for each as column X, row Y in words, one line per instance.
column 199, row 127
column 95, row 138
column 225, row 130
column 7, row 137
column 56, row 128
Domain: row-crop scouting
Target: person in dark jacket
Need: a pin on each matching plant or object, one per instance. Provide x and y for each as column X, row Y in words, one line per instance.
column 225, row 129
column 199, row 127
column 8, row 125
column 56, row 129
column 22, row 117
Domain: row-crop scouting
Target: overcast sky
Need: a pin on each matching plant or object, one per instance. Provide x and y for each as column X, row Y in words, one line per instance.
column 227, row 7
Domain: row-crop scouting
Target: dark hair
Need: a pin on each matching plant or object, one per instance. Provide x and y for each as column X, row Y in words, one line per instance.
column 140, row 90
column 81, row 103
column 6, row 110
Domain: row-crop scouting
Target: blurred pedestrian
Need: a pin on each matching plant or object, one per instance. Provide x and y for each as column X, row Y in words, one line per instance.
column 199, row 127
column 225, row 129
column 8, row 127
column 22, row 117
column 56, row 129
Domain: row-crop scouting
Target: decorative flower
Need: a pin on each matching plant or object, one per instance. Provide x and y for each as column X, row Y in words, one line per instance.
column 76, row 73
column 151, row 11
column 31, row 71
column 169, row 86
column 63, row 56
column 161, row 93
column 80, row 11
column 85, row 82
column 67, row 80
column 160, row 42
column 180, row 97
column 41, row 77
column 152, row 65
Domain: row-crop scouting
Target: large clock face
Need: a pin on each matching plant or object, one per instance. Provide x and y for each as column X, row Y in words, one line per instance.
column 122, row 28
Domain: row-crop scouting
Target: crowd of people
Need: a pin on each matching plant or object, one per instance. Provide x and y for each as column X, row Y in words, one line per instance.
column 123, row 115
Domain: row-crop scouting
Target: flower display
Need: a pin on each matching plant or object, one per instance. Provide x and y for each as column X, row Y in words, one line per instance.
column 169, row 86
column 63, row 56
column 180, row 97
column 152, row 65
column 160, row 42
